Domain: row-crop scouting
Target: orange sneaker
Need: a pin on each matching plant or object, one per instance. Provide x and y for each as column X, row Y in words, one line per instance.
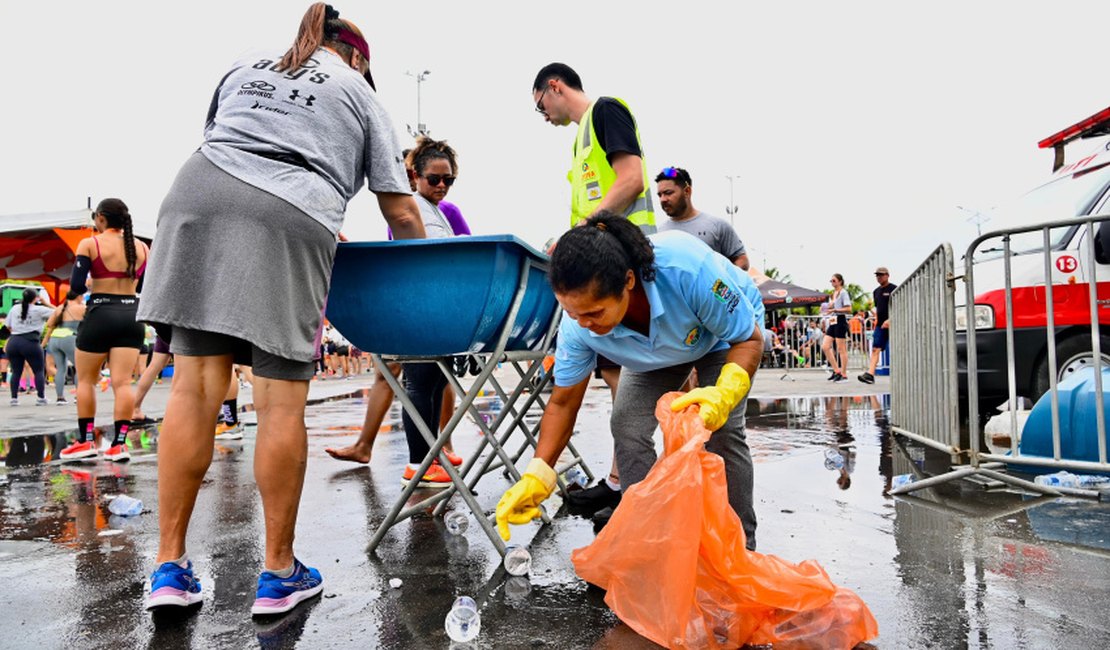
column 455, row 459
column 117, row 453
column 436, row 477
column 225, row 431
column 79, row 450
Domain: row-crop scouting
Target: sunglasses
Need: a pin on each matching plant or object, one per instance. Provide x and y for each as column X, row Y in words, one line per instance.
column 539, row 103
column 676, row 174
column 880, row 275
column 435, row 179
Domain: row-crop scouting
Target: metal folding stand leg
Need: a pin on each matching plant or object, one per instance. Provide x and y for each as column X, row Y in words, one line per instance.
column 398, row 512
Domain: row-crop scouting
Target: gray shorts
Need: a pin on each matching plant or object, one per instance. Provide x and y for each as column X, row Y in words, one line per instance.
column 196, row 343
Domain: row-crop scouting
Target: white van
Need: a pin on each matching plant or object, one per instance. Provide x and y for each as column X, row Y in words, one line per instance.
column 1076, row 189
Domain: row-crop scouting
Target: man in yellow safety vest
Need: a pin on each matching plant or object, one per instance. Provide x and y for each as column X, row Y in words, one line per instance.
column 608, row 172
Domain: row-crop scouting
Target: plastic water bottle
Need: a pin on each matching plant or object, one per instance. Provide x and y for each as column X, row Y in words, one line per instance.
column 1069, row 480
column 463, row 622
column 125, row 506
column 902, row 479
column 456, row 522
column 575, row 476
column 518, row 561
column 833, row 458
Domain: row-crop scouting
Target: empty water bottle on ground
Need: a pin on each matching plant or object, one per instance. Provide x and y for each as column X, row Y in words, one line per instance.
column 575, row 476
column 902, row 479
column 125, row 506
column 518, row 561
column 456, row 522
column 1069, row 480
column 833, row 458
column 463, row 622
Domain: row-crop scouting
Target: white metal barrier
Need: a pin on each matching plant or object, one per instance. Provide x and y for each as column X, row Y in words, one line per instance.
column 924, row 383
column 1077, row 281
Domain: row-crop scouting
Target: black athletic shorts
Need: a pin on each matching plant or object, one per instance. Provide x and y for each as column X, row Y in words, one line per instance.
column 110, row 323
column 343, row 350
column 839, row 329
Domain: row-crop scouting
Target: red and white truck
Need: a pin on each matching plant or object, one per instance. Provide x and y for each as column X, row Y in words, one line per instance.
column 1078, row 190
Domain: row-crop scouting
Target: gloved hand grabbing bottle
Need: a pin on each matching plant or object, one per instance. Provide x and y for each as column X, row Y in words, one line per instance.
column 716, row 402
column 520, row 503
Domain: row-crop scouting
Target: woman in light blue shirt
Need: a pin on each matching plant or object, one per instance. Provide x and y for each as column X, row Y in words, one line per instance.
column 658, row 306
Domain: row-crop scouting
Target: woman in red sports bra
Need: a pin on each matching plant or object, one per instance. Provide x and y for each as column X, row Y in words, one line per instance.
column 115, row 262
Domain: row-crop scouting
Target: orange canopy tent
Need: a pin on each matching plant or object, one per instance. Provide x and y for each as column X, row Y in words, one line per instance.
column 41, row 247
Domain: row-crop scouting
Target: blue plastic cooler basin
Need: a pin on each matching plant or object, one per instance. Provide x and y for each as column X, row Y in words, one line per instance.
column 430, row 297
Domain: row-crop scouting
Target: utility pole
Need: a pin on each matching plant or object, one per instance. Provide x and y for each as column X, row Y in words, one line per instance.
column 730, row 209
column 421, row 128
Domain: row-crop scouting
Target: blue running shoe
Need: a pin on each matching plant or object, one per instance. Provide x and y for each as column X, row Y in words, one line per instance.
column 278, row 595
column 172, row 586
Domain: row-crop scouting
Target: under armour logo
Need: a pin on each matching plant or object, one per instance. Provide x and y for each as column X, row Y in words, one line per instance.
column 307, row 100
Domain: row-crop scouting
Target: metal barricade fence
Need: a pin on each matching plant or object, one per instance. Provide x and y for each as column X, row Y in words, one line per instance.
column 924, row 384
column 1076, row 280
column 802, row 336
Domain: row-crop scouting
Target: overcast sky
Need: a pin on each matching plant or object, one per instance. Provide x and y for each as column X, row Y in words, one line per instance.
column 853, row 129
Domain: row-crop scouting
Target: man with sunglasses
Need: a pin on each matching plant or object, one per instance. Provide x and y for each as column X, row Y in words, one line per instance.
column 607, row 173
column 882, row 321
column 674, row 188
column 608, row 170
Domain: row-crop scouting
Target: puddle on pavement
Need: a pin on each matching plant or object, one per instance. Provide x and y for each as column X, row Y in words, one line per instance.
column 960, row 561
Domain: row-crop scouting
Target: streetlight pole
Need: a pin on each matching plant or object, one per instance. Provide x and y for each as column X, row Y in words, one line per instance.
column 730, row 209
column 421, row 128
column 976, row 218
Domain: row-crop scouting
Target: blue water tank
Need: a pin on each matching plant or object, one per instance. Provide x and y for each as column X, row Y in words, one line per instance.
column 1078, row 424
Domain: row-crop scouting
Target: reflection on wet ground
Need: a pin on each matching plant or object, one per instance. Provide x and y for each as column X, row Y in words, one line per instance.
column 952, row 567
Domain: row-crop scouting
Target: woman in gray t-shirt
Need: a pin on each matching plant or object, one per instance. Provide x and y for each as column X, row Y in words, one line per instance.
column 240, row 268
column 835, row 344
column 25, row 322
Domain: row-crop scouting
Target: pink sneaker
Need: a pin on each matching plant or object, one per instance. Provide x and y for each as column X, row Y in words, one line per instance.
column 117, row 453
column 79, row 450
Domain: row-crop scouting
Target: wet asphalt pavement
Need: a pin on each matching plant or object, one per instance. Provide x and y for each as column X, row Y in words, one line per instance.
column 958, row 566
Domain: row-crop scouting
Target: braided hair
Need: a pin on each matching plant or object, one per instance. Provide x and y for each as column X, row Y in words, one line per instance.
column 320, row 26
column 116, row 215
column 602, row 251
column 427, row 150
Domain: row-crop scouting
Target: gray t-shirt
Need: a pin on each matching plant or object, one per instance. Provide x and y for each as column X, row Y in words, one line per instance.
column 323, row 117
column 714, row 231
column 436, row 225
column 37, row 315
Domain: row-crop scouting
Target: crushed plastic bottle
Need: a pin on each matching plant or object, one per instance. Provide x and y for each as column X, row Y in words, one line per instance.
column 1069, row 480
column 463, row 622
column 833, row 458
column 575, row 476
column 902, row 479
column 456, row 522
column 518, row 561
column 125, row 506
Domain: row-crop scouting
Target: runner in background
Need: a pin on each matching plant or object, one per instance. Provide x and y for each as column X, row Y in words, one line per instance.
column 61, row 342
column 115, row 260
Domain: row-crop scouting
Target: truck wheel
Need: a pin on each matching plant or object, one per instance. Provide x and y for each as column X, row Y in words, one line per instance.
column 1072, row 354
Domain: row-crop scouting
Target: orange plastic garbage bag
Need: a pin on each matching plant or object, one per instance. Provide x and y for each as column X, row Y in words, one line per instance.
column 673, row 562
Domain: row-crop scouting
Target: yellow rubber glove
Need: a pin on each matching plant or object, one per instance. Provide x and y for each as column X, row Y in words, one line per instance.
column 716, row 402
column 521, row 503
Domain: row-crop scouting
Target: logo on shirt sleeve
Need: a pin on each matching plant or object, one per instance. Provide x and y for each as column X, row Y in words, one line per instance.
column 723, row 293
column 692, row 337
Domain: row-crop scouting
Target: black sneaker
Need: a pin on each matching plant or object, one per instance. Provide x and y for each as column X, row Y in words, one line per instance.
column 601, row 518
column 866, row 378
column 833, row 376
column 593, row 499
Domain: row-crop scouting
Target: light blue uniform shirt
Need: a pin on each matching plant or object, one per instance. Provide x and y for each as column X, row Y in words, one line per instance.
column 700, row 303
